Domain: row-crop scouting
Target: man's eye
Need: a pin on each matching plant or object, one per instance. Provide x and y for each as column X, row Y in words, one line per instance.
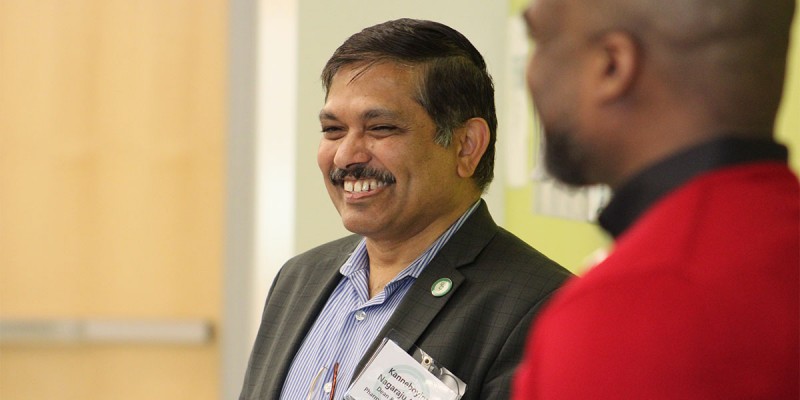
column 332, row 132
column 383, row 130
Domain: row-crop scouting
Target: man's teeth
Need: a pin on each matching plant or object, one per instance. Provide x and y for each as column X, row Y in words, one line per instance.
column 362, row 185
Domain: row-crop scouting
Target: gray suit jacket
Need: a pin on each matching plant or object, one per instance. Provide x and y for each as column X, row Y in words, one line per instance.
column 477, row 330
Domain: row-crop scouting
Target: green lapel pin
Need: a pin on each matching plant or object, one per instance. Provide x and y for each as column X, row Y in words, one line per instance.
column 441, row 287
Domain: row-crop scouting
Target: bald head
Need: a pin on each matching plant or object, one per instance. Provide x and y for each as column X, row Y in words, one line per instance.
column 691, row 22
column 729, row 53
column 621, row 84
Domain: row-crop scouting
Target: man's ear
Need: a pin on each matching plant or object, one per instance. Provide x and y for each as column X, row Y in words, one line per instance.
column 616, row 66
column 471, row 144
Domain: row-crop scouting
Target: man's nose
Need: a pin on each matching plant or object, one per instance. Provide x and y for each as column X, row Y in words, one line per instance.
column 352, row 150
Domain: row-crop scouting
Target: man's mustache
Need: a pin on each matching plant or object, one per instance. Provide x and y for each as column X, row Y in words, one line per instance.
column 338, row 175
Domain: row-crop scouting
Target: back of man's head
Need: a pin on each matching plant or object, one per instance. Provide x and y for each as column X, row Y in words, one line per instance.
column 729, row 55
column 622, row 84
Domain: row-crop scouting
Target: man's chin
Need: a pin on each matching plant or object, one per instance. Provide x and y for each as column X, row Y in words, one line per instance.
column 358, row 224
column 571, row 180
column 565, row 160
column 570, row 175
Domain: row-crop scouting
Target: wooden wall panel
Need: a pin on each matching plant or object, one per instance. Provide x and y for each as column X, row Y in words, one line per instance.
column 111, row 187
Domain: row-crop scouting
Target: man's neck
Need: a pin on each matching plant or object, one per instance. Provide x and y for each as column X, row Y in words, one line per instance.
column 389, row 256
column 397, row 253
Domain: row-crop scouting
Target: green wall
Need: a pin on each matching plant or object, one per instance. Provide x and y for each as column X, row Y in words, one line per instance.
column 572, row 243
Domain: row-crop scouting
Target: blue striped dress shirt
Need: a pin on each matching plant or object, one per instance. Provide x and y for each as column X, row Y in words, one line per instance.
column 350, row 321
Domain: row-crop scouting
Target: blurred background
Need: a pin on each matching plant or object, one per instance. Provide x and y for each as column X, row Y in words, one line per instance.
column 157, row 166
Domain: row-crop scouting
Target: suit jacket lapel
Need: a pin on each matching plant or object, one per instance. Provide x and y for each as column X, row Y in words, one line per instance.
column 306, row 305
column 420, row 306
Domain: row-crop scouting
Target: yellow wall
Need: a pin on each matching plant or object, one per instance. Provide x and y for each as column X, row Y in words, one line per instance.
column 571, row 243
column 789, row 117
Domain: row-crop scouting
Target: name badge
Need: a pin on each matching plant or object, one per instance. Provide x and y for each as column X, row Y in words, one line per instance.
column 393, row 374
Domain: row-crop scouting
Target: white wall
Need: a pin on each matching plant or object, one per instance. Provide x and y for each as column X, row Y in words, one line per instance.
column 239, row 307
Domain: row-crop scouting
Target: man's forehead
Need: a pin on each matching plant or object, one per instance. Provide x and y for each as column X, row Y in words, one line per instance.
column 549, row 15
column 381, row 69
column 393, row 76
column 528, row 16
column 533, row 13
column 532, row 5
column 370, row 113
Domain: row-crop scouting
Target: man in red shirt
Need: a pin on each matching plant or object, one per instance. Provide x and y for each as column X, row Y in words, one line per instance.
column 672, row 104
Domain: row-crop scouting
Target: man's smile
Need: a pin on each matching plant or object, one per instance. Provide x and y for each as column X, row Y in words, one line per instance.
column 362, row 185
column 361, row 181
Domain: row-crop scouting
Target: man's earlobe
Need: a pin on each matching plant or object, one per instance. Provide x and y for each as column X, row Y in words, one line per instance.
column 472, row 144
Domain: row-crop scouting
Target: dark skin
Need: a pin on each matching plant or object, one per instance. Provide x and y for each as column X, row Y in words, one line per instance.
column 622, row 84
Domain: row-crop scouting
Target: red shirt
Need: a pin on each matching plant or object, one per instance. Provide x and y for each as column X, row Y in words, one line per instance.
column 700, row 299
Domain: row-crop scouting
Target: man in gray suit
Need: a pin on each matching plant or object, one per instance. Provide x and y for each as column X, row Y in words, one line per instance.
column 407, row 149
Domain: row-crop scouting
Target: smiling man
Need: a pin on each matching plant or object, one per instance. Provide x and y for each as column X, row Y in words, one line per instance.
column 407, row 149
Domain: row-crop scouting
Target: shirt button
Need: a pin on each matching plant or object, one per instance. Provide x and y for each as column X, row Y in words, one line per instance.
column 327, row 387
column 360, row 315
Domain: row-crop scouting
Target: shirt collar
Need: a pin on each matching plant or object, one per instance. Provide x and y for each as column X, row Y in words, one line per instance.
column 359, row 259
column 632, row 199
